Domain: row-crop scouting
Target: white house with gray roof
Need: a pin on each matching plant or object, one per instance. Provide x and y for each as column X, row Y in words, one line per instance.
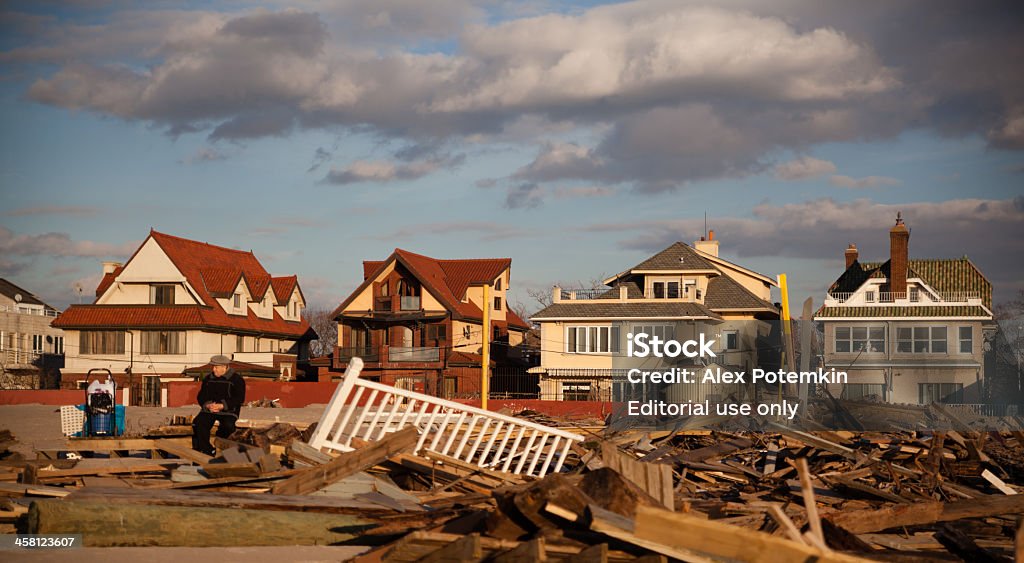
column 675, row 294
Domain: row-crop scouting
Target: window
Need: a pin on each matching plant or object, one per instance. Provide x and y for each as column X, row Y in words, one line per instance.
column 921, row 339
column 664, row 332
column 666, row 290
column 869, row 296
column 161, row 294
column 239, row 343
column 575, row 390
column 158, row 342
column 496, row 336
column 238, row 301
column 966, row 339
column 497, row 284
column 436, row 332
column 592, row 339
column 101, row 342
column 497, row 303
column 730, row 340
column 37, row 343
column 862, row 391
column 58, row 345
column 854, row 339
column 915, row 295
column 952, row 393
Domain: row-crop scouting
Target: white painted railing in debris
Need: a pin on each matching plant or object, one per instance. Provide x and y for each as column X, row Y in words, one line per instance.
column 368, row 410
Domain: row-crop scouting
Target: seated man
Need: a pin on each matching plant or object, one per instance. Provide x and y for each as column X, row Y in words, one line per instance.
column 221, row 397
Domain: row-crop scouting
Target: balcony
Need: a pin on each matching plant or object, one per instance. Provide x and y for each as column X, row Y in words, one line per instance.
column 22, row 310
column 368, row 355
column 417, row 354
column 13, row 357
column 861, row 298
column 410, row 303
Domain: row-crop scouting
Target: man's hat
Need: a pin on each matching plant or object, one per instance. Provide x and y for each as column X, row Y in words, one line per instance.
column 220, row 360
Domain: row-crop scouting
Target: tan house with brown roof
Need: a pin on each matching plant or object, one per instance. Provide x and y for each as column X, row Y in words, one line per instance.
column 31, row 350
column 417, row 322
column 177, row 302
column 908, row 331
column 678, row 293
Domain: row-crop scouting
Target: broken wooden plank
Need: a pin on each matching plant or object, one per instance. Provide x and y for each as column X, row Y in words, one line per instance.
column 203, row 499
column 188, row 526
column 863, row 521
column 997, row 483
column 653, row 478
column 717, row 540
column 348, row 463
column 465, row 549
column 181, row 450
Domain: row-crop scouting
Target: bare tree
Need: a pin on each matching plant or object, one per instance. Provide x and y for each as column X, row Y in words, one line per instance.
column 321, row 321
column 543, row 296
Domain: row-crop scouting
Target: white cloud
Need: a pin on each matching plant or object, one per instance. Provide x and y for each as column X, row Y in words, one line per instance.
column 867, row 182
column 803, row 168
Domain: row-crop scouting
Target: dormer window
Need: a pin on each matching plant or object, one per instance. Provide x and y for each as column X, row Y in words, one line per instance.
column 238, row 301
column 161, row 294
column 915, row 295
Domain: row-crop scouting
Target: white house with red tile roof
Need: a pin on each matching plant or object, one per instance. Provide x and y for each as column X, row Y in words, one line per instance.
column 175, row 303
column 417, row 321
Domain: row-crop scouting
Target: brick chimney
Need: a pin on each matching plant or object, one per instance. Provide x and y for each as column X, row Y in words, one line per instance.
column 708, row 245
column 109, row 267
column 851, row 255
column 899, row 239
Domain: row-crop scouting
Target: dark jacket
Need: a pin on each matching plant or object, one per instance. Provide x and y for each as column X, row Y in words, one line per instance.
column 228, row 391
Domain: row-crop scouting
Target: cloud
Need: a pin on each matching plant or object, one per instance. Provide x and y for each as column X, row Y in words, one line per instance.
column 203, row 154
column 803, row 168
column 58, row 244
column 370, row 171
column 524, row 196
column 868, row 182
column 667, row 92
column 482, row 230
column 74, row 210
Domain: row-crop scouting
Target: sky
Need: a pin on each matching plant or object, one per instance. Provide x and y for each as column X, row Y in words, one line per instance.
column 576, row 138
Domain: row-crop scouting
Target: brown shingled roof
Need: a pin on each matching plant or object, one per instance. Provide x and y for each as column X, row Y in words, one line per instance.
column 599, row 310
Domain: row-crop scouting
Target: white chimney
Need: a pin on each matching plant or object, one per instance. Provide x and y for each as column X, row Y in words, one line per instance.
column 109, row 267
column 709, row 245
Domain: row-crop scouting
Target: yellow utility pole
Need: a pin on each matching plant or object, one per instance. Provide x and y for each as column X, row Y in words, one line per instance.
column 485, row 364
column 787, row 331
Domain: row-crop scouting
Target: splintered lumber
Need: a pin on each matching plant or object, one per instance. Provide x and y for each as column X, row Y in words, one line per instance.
column 22, row 489
column 465, row 549
column 417, row 544
column 202, row 499
column 723, row 541
column 654, row 478
column 348, row 463
column 624, row 529
column 810, row 505
column 114, row 465
column 181, row 450
column 997, row 483
column 105, row 524
column 527, row 552
column 864, row 521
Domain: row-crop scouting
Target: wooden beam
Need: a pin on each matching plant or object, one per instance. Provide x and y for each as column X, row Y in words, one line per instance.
column 465, row 549
column 725, row 541
column 810, row 505
column 112, row 524
column 526, row 552
column 181, row 450
column 348, row 463
column 863, row 521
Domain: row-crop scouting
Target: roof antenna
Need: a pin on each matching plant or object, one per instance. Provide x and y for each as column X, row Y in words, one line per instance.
column 704, row 234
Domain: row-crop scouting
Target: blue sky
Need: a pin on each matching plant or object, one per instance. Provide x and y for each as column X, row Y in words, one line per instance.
column 576, row 139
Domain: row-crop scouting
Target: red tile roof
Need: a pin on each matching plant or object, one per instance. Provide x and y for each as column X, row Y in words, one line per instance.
column 101, row 317
column 447, row 280
column 212, row 271
column 283, row 287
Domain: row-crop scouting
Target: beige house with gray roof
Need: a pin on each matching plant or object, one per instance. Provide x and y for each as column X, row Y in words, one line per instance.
column 908, row 331
column 678, row 293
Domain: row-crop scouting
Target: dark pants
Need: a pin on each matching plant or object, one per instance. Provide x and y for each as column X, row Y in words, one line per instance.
column 203, row 423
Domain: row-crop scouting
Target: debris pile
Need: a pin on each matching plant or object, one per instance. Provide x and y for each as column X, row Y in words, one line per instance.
column 691, row 495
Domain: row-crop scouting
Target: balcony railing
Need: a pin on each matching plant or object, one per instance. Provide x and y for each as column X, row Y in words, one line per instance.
column 410, row 303
column 399, row 354
column 367, row 354
column 905, row 297
column 13, row 356
column 29, row 311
